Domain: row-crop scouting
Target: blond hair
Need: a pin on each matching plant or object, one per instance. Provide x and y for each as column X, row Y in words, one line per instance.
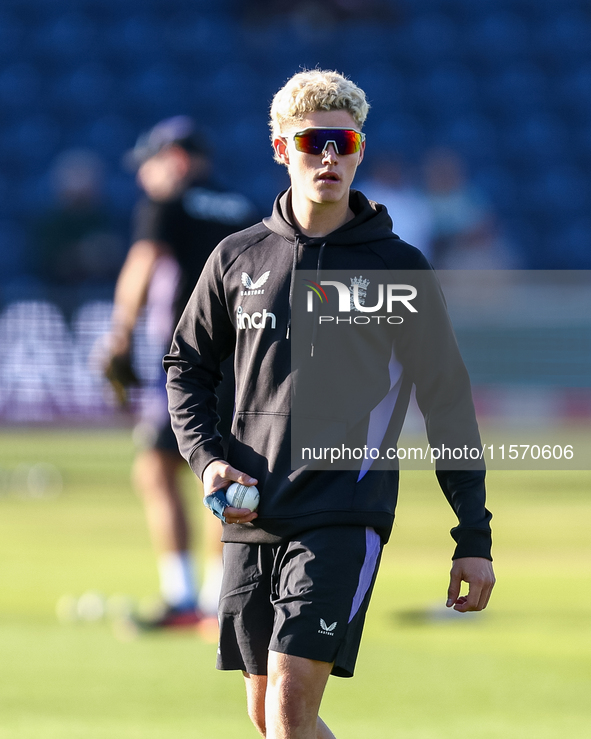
column 311, row 91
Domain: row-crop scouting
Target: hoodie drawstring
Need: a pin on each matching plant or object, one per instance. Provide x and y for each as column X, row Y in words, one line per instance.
column 318, row 268
column 294, row 264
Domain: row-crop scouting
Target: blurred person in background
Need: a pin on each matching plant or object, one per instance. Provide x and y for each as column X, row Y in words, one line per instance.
column 176, row 225
column 390, row 184
column 76, row 241
column 464, row 231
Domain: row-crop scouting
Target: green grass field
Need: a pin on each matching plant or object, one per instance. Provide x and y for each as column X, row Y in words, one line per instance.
column 522, row 669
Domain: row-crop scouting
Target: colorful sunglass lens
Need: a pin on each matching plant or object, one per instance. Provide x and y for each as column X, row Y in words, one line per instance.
column 314, row 140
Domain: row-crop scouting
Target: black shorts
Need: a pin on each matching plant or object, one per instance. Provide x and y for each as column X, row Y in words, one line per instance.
column 306, row 597
column 154, row 431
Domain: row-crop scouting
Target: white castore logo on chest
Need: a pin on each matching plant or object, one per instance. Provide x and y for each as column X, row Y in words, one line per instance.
column 253, row 288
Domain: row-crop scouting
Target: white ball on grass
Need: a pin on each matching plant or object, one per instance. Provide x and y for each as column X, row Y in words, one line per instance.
column 91, row 606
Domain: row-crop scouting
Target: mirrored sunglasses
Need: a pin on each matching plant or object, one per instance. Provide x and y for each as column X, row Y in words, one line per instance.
column 315, row 140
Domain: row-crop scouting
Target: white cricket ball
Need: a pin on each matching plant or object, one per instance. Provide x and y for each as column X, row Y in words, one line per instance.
column 243, row 496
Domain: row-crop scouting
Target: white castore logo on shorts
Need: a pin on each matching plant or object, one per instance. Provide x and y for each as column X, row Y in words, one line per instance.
column 253, row 288
column 327, row 630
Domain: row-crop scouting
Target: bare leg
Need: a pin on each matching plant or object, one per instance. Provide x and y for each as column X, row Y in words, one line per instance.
column 211, row 551
column 155, row 475
column 213, row 535
column 285, row 705
column 256, row 687
column 209, row 593
column 156, row 478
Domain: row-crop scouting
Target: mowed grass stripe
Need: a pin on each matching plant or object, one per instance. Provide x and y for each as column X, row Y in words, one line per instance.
column 521, row 670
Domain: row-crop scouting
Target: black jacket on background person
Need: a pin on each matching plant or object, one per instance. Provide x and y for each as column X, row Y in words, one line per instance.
column 243, row 303
column 191, row 225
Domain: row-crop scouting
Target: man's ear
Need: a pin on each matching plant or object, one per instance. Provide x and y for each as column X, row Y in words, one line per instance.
column 280, row 146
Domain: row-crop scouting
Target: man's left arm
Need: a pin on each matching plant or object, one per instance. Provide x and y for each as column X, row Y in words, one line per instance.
column 472, row 561
column 444, row 396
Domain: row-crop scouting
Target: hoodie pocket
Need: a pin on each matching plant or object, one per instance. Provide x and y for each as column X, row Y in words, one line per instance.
column 260, row 445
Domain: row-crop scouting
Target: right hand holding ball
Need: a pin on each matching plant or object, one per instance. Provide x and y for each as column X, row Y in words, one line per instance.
column 243, row 496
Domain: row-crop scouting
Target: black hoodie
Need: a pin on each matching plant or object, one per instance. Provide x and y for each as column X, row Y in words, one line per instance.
column 243, row 303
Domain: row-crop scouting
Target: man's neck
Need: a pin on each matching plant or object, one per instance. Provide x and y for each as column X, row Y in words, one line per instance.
column 319, row 219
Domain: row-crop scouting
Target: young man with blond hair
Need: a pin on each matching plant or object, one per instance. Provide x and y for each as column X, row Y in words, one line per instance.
column 298, row 572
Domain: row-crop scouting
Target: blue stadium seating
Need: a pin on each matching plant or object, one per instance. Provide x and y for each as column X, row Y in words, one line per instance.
column 22, row 287
column 90, row 87
column 499, row 183
column 204, row 36
column 11, row 34
column 573, row 92
column 111, row 134
column 121, row 191
column 401, row 131
column 582, row 144
column 533, row 140
column 20, row 85
column 13, row 255
column 505, row 82
column 34, row 192
column 562, row 191
column 565, row 35
column 384, row 86
column 67, row 36
column 499, row 35
column 433, row 36
column 137, row 38
column 473, row 135
column 520, row 86
column 446, row 88
column 158, row 86
column 32, row 140
column 571, row 248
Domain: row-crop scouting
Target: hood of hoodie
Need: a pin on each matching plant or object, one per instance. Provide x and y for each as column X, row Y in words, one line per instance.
column 371, row 222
